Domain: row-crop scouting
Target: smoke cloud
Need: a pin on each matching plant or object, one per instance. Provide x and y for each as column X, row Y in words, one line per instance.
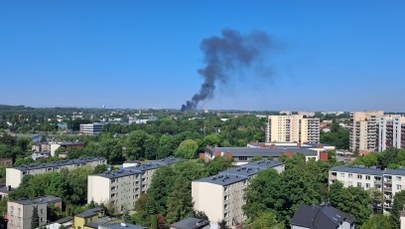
column 224, row 54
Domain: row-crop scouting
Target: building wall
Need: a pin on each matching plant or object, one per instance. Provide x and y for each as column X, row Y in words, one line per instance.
column 13, row 177
column 292, row 128
column 364, row 130
column 20, row 216
column 209, row 198
column 98, row 189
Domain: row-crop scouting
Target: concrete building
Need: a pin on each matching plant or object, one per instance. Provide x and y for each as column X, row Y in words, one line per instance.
column 391, row 132
column 220, row 197
column 364, row 131
column 242, row 155
column 15, row 175
column 19, row 212
column 123, row 188
column 388, row 182
column 292, row 128
column 91, row 128
column 321, row 217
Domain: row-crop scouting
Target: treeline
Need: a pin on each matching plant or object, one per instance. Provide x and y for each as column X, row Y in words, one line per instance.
column 391, row 158
column 338, row 136
column 184, row 138
column 169, row 197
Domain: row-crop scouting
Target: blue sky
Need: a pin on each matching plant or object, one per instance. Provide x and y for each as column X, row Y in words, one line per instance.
column 327, row 55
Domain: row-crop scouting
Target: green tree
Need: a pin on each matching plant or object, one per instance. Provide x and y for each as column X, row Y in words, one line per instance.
column 179, row 203
column 161, row 186
column 151, row 147
column 187, row 149
column 35, row 218
column 266, row 220
column 256, row 158
column 352, row 200
column 378, row 222
column 222, row 224
column 135, row 144
column 397, row 207
column 166, row 146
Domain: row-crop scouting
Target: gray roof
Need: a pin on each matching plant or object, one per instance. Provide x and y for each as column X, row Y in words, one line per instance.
column 358, row 169
column 395, row 172
column 224, row 179
column 122, row 226
column 190, row 223
column 118, row 173
column 39, row 200
column 98, row 222
column 264, row 152
column 59, row 163
column 320, row 217
column 5, row 189
column 90, row 212
column 64, row 220
column 253, row 167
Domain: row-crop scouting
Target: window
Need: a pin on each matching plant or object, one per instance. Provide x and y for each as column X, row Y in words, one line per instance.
column 42, row 211
column 350, row 175
column 368, row 178
column 342, row 174
column 226, row 214
column 367, row 185
column 226, row 197
column 359, row 176
column 226, row 188
column 358, row 184
column 226, row 206
column 399, row 187
column 399, row 178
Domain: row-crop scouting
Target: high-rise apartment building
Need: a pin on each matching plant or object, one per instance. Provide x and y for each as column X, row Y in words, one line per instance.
column 292, row 128
column 391, row 132
column 221, row 197
column 364, row 131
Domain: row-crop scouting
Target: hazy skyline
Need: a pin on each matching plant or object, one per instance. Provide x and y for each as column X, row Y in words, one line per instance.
column 326, row 55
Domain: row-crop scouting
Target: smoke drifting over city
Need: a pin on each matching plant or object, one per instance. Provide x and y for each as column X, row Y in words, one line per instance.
column 224, row 54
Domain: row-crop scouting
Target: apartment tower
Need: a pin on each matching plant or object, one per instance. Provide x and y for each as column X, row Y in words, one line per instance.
column 364, row 131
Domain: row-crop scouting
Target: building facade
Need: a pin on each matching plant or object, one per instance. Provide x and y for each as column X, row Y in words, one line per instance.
column 364, row 131
column 91, row 128
column 292, row 128
column 221, row 197
column 19, row 212
column 388, row 182
column 391, row 130
column 15, row 175
column 122, row 188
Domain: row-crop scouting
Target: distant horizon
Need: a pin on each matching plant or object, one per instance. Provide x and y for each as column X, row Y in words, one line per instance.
column 197, row 110
column 319, row 55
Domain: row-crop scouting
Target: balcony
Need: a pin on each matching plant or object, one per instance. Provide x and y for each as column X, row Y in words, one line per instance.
column 388, row 188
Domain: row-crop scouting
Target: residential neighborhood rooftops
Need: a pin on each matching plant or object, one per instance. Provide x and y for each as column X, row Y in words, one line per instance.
column 264, row 152
column 59, row 163
column 395, row 171
column 118, row 173
column 358, row 169
column 121, row 226
column 253, row 167
column 89, row 212
column 319, row 217
column 190, row 223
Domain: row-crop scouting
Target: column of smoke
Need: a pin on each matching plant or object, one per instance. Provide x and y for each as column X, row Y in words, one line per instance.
column 224, row 54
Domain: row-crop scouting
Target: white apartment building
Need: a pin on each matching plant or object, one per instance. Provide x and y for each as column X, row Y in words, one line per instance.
column 91, row 128
column 15, row 175
column 388, row 182
column 391, row 132
column 20, row 211
column 364, row 131
column 123, row 188
column 292, row 128
column 220, row 197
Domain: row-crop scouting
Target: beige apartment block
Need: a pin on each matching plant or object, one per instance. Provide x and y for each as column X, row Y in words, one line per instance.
column 15, row 175
column 388, row 182
column 391, row 132
column 122, row 188
column 20, row 211
column 220, row 197
column 292, row 128
column 364, row 130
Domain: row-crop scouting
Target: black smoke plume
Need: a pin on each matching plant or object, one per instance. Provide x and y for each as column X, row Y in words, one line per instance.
column 223, row 54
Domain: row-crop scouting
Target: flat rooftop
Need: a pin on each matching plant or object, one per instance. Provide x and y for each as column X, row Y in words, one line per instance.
column 59, row 163
column 263, row 152
column 39, row 200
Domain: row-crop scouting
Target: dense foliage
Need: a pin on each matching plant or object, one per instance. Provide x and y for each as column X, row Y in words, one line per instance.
column 391, row 158
column 169, row 196
column 338, row 136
